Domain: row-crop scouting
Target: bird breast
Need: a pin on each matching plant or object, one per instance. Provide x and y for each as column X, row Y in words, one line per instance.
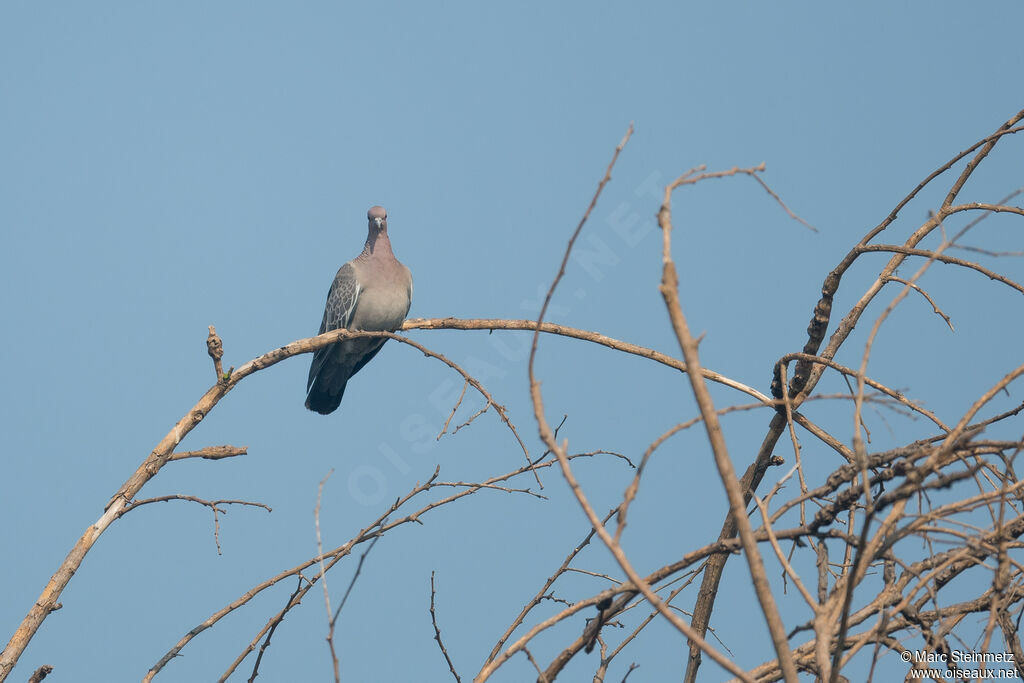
column 380, row 309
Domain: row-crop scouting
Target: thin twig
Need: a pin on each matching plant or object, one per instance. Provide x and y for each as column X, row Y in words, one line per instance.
column 212, row 504
column 437, row 632
column 323, row 578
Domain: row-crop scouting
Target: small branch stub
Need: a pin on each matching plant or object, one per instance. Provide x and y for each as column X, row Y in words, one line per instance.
column 40, row 673
column 215, row 347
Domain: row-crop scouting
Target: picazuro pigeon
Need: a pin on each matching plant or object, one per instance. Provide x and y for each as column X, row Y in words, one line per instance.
column 373, row 291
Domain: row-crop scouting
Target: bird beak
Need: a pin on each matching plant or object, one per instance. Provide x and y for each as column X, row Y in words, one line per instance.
column 378, row 222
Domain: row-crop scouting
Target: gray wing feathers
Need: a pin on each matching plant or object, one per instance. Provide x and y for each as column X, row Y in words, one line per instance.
column 341, row 303
column 341, row 300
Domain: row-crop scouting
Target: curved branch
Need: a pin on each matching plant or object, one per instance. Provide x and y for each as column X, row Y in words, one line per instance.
column 164, row 453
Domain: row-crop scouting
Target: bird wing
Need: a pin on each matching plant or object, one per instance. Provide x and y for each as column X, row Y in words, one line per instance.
column 341, row 303
column 341, row 299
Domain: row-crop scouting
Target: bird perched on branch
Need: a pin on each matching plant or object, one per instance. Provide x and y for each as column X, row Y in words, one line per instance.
column 373, row 291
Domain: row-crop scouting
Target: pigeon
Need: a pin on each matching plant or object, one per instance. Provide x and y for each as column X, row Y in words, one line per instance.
column 373, row 291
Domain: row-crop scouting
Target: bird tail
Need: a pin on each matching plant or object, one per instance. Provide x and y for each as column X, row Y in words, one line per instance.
column 324, row 399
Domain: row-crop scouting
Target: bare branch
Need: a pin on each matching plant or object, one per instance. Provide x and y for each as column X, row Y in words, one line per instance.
column 437, row 632
column 214, row 506
column 670, row 292
column 561, row 453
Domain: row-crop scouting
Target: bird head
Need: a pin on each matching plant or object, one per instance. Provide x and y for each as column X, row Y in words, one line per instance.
column 378, row 217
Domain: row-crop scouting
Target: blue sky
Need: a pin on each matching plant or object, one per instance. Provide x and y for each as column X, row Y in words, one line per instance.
column 164, row 167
